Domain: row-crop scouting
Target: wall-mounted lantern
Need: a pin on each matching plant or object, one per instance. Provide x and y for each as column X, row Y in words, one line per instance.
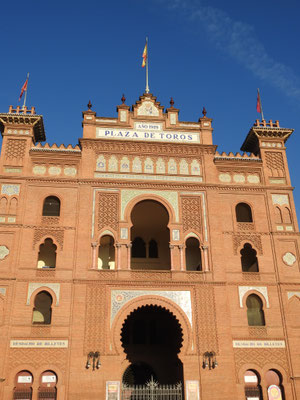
column 95, row 357
column 209, row 360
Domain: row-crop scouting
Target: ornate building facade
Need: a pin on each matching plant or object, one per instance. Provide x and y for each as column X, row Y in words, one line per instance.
column 144, row 255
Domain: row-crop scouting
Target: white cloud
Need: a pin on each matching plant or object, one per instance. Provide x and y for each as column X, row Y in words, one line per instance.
column 238, row 39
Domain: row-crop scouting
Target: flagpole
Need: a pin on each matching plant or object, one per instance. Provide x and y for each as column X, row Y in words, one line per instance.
column 262, row 114
column 147, row 80
column 25, row 97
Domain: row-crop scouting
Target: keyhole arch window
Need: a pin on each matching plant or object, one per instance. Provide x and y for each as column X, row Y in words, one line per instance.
column 255, row 312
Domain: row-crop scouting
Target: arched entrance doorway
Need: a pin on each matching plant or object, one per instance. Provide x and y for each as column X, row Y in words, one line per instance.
column 150, row 236
column 152, row 337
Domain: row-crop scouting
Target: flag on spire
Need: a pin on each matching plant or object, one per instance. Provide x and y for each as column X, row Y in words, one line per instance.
column 24, row 87
column 145, row 54
column 259, row 105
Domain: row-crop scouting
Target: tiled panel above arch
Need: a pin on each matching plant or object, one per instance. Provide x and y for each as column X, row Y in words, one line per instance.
column 148, row 165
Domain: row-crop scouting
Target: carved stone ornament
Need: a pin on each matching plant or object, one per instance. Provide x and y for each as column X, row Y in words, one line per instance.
column 39, row 169
column 70, row 171
column 170, row 196
column 32, row 286
column 260, row 289
column 280, row 199
column 55, row 170
column 180, row 297
column 253, row 179
column 10, row 189
column 239, row 178
column 225, row 178
column 289, row 259
column 148, row 108
column 3, row 252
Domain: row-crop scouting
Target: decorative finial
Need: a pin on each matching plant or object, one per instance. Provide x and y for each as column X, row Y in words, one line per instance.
column 172, row 102
column 204, row 112
column 89, row 106
column 123, row 99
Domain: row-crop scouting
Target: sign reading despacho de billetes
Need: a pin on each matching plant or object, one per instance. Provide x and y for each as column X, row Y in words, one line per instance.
column 148, row 135
column 259, row 343
column 42, row 344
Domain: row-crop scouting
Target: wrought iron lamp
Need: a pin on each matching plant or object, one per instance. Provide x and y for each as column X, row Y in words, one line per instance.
column 95, row 357
column 209, row 360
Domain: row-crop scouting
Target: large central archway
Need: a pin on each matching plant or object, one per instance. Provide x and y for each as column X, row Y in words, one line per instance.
column 150, row 236
column 152, row 337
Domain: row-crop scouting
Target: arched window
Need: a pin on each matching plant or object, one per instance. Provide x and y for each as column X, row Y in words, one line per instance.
column 255, row 313
column 278, row 216
column 23, row 385
column 47, row 254
column 274, row 384
column 47, row 388
column 193, row 255
column 106, row 253
column 243, row 213
column 252, row 385
column 13, row 206
column 249, row 259
column 287, row 219
column 51, row 207
column 138, row 248
column 153, row 249
column 3, row 205
column 42, row 308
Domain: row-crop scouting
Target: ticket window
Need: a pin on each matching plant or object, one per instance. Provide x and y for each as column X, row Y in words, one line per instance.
column 252, row 386
column 47, row 388
column 274, row 385
column 23, row 385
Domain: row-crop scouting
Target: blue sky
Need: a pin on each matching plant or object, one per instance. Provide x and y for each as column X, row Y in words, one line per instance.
column 202, row 53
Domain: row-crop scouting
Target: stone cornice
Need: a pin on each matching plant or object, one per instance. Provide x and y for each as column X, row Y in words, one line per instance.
column 180, row 149
column 146, row 184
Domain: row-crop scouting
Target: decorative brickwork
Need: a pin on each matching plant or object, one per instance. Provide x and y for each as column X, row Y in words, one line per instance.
column 275, row 163
column 206, row 325
column 50, row 221
column 258, row 332
column 251, row 276
column 245, row 226
column 45, row 273
column 57, row 234
column 238, row 239
column 108, row 207
column 260, row 357
column 191, row 213
column 40, row 331
column 15, row 149
column 95, row 317
column 39, row 357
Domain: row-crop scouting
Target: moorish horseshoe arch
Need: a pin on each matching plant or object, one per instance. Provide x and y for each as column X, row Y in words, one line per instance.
column 128, row 208
column 148, row 300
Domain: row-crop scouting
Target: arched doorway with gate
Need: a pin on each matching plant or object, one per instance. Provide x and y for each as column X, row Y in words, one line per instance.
column 152, row 337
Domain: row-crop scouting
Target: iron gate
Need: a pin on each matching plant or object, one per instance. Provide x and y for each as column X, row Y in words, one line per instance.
column 152, row 391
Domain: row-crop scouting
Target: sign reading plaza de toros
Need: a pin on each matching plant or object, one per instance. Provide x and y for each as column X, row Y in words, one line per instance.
column 148, row 132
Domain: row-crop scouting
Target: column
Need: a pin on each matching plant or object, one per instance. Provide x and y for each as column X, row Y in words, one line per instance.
column 118, row 247
column 129, row 245
column 94, row 254
column 181, row 249
column 171, row 246
column 205, row 258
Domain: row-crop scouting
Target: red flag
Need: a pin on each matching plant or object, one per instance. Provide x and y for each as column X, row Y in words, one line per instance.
column 24, row 88
column 258, row 103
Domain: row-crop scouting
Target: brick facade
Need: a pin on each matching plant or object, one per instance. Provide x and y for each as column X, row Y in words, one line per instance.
column 146, row 154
